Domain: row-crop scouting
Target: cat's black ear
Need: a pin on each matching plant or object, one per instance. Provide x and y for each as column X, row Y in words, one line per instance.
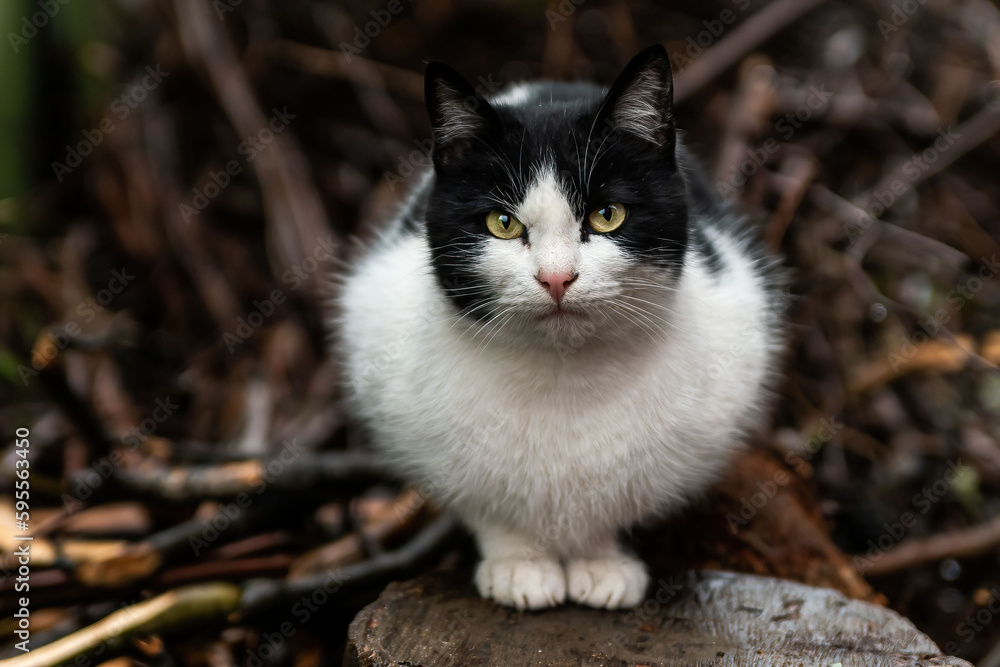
column 641, row 100
column 458, row 113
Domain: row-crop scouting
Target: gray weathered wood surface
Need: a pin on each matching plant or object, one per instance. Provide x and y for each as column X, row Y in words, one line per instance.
column 697, row 618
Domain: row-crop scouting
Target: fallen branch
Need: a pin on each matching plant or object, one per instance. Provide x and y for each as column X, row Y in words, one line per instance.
column 264, row 597
column 954, row 544
column 303, row 475
column 183, row 607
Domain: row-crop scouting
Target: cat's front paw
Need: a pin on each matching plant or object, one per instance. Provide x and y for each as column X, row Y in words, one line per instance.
column 609, row 583
column 525, row 584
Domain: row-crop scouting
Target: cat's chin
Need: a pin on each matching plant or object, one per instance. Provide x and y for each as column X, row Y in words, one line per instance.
column 566, row 327
column 560, row 313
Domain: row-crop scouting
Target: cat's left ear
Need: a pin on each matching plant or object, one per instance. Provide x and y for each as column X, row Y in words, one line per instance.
column 642, row 98
column 458, row 113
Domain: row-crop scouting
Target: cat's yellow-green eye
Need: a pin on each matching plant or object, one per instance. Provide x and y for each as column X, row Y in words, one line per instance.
column 608, row 218
column 503, row 225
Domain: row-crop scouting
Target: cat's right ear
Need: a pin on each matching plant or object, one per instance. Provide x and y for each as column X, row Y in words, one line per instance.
column 458, row 113
column 641, row 100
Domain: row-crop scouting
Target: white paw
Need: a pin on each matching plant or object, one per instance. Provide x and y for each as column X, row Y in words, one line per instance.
column 611, row 583
column 525, row 584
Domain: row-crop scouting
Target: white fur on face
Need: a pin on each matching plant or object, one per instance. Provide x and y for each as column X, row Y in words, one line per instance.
column 553, row 230
column 603, row 271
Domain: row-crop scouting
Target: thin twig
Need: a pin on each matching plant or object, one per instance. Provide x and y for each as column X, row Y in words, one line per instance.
column 334, row 65
column 749, row 35
column 968, row 136
column 797, row 174
column 954, row 544
column 264, row 597
column 850, row 213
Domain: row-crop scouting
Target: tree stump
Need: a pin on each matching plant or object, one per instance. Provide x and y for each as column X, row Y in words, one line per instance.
column 696, row 618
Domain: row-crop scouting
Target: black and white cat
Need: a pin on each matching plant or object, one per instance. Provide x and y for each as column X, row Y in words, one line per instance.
column 563, row 332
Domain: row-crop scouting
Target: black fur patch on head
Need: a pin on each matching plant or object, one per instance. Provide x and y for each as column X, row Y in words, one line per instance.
column 614, row 147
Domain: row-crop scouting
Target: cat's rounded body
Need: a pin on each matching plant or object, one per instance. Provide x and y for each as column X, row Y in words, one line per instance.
column 550, row 419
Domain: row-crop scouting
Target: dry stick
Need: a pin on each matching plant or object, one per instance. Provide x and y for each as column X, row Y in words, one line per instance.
column 969, row 227
column 304, row 475
column 239, row 568
column 137, row 561
column 954, row 544
column 262, row 597
column 213, row 602
column 250, row 545
column 969, row 134
column 797, row 174
column 749, row 35
column 335, row 65
column 849, row 212
column 195, row 604
column 293, row 209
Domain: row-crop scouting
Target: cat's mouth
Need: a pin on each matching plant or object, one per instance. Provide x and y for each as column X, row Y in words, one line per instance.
column 561, row 312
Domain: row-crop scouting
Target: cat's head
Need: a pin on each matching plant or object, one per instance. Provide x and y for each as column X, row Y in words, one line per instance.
column 558, row 209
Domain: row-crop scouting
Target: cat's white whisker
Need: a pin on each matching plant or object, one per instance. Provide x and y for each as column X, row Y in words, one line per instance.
column 647, row 323
column 626, row 312
column 503, row 323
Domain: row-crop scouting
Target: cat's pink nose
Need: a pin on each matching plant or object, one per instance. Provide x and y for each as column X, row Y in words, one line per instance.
column 555, row 283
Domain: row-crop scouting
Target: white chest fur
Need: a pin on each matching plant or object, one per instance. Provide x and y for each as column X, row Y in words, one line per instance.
column 562, row 444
